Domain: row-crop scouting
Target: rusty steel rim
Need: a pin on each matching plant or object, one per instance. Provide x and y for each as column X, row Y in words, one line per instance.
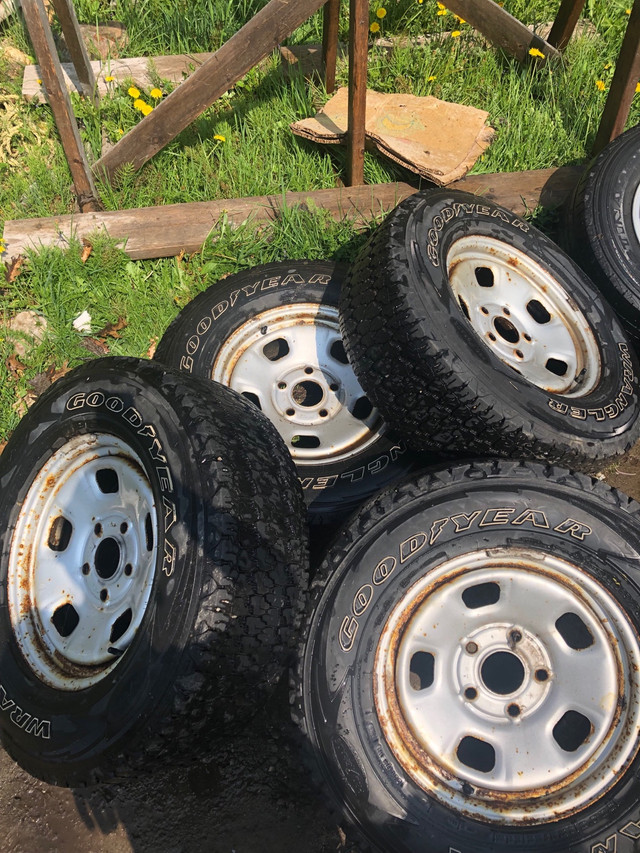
column 291, row 363
column 82, row 561
column 524, row 315
column 635, row 212
column 507, row 686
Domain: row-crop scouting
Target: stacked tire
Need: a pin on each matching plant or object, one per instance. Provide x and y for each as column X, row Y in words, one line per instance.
column 466, row 675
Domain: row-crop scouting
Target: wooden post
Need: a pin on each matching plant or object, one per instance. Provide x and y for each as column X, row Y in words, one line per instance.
column 330, row 22
column 501, row 28
column 565, row 23
column 259, row 36
column 623, row 84
column 68, row 21
column 358, row 44
column 60, row 103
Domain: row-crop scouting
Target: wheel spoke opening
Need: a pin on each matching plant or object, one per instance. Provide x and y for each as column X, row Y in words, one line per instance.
column 65, row 619
column 107, row 480
column 556, row 366
column 148, row 532
column 305, row 441
column 362, row 408
column 476, row 754
column 574, row 631
column 484, row 276
column 120, row 626
column 276, row 349
column 253, row 398
column 572, row 730
column 60, row 534
column 337, row 352
column 481, row 595
column 465, row 308
column 538, row 312
column 421, row 670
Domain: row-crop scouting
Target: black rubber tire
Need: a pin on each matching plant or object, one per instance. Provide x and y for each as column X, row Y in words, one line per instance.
column 192, row 342
column 599, row 232
column 397, row 540
column 430, row 373
column 230, row 570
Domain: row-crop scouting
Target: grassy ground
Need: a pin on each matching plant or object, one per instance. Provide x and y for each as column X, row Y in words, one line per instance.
column 544, row 116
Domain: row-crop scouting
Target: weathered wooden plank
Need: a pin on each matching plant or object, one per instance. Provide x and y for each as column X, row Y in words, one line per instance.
column 239, row 54
column 565, row 23
column 45, row 50
column 501, row 28
column 139, row 69
column 357, row 102
column 623, row 84
column 156, row 232
column 330, row 22
column 80, row 58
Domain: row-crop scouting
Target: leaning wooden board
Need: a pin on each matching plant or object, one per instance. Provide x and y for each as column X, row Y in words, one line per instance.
column 158, row 232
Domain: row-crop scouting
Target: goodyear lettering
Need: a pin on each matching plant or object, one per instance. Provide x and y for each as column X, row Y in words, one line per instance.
column 609, row 846
column 22, row 719
column 362, row 599
column 454, row 524
column 204, row 324
column 186, row 363
column 168, row 558
column 630, row 830
column 612, row 410
column 325, row 482
column 457, row 210
column 170, row 514
column 412, row 545
column 376, row 466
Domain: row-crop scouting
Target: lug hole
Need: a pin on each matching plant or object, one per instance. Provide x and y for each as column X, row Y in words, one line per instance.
column 104, row 595
column 98, row 529
column 513, row 710
column 128, row 569
column 282, row 385
column 323, row 413
column 86, row 568
column 471, row 648
column 334, row 387
column 484, row 310
column 291, row 412
column 308, row 370
column 515, row 636
column 541, row 675
column 124, row 527
column 470, row 693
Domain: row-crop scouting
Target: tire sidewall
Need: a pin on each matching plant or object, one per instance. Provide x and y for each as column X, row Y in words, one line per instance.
column 375, row 571
column 73, row 724
column 432, row 227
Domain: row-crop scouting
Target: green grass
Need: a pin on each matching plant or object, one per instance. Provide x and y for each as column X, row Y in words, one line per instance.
column 544, row 116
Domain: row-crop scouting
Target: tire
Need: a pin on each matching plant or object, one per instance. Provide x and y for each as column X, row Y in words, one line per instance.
column 543, row 370
column 468, row 677
column 603, row 226
column 179, row 568
column 339, row 443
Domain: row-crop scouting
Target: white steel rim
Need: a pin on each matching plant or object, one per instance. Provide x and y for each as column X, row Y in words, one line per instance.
column 635, row 213
column 290, row 361
column 82, row 561
column 498, row 703
column 524, row 315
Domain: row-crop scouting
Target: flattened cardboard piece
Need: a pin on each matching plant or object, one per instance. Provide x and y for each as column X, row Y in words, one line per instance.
column 439, row 140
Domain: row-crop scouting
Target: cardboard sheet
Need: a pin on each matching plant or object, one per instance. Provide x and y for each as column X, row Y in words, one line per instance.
column 439, row 140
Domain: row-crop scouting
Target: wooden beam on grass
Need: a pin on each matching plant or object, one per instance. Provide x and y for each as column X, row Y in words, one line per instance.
column 60, row 103
column 77, row 50
column 565, row 23
column 501, row 28
column 158, row 232
column 357, row 101
column 257, row 39
column 623, row 84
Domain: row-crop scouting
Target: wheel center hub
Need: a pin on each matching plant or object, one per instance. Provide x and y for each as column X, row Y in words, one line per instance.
column 503, row 671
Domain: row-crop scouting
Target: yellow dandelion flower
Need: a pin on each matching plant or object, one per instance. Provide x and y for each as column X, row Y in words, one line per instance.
column 627, row 11
column 135, row 93
column 431, row 79
column 637, row 87
column 381, row 12
column 533, row 51
column 219, row 137
column 156, row 93
column 600, row 85
column 420, row 1
column 456, row 34
column 145, row 109
column 441, row 12
column 607, row 66
column 120, row 131
column 39, row 82
column 442, row 7
column 375, row 27
column 109, row 78
column 138, row 104
column 459, row 19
